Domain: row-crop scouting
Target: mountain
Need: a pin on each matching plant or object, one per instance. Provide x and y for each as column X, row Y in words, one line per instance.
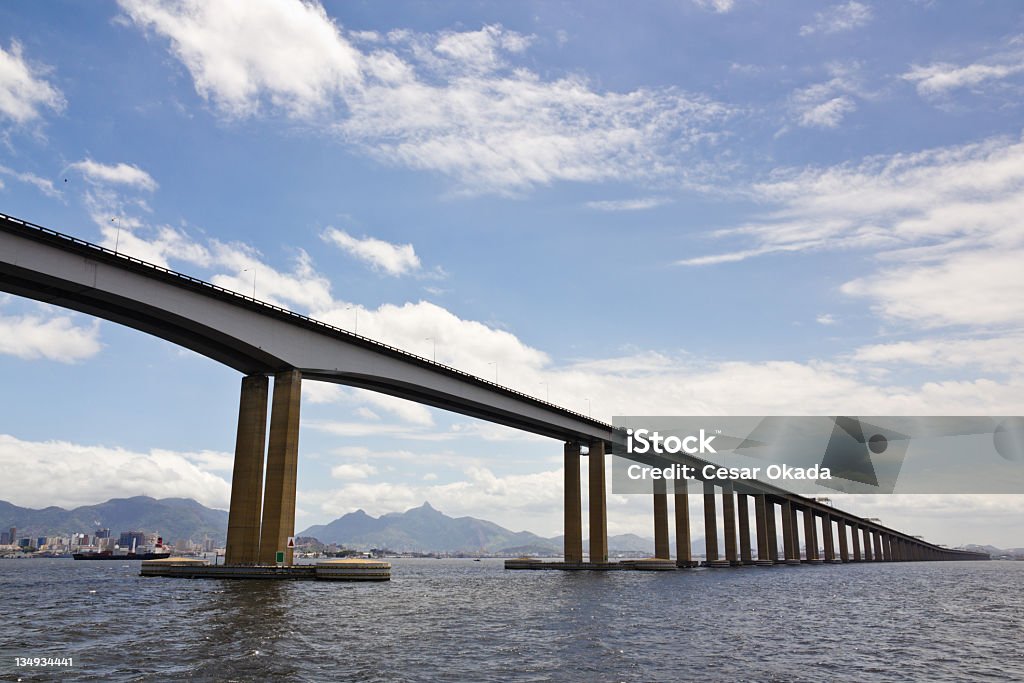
column 172, row 518
column 425, row 529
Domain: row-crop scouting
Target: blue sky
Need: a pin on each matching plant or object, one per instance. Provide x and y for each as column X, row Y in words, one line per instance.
column 719, row 207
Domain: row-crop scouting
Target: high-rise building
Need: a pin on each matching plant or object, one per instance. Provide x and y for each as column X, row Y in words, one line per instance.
column 5, row 538
column 128, row 537
column 41, row 541
column 103, row 533
column 13, row 535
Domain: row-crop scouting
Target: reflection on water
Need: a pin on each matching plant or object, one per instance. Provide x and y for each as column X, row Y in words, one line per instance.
column 457, row 620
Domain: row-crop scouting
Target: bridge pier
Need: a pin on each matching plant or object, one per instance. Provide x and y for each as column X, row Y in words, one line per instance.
column 684, row 554
column 810, row 537
column 661, row 546
column 282, row 468
column 826, row 530
column 746, row 558
column 855, row 535
column 243, row 541
column 710, row 528
column 773, row 539
column 877, row 539
column 729, row 524
column 598, row 505
column 573, row 553
column 844, row 546
column 790, row 538
column 761, row 506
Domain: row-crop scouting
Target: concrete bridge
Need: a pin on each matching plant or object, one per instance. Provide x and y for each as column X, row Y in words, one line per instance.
column 261, row 340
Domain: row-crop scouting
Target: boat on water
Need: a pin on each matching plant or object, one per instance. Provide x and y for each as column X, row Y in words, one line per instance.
column 157, row 553
column 110, row 555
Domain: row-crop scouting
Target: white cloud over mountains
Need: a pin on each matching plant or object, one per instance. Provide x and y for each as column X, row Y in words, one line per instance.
column 74, row 474
column 24, row 90
column 453, row 102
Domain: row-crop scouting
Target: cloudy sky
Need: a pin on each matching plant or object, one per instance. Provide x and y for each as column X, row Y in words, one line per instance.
column 727, row 207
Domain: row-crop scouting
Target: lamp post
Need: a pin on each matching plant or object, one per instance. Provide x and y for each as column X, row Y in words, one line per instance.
column 355, row 329
column 117, row 239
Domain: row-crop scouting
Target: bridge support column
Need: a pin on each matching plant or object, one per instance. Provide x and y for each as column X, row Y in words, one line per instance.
column 741, row 508
column 877, row 536
column 826, row 531
column 844, row 546
column 573, row 552
column 684, row 554
column 661, row 548
column 710, row 524
column 773, row 540
column 243, row 544
column 867, row 544
column 810, row 537
column 855, row 535
column 761, row 529
column 282, row 468
column 729, row 525
column 790, row 540
column 598, row 505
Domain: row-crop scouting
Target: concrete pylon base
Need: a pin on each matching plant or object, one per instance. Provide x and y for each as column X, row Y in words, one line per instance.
column 717, row 564
column 764, row 563
column 793, row 563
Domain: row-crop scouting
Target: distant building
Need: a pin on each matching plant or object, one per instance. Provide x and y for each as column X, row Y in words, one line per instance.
column 5, row 538
column 41, row 541
column 129, row 538
column 25, row 543
column 12, row 535
column 103, row 533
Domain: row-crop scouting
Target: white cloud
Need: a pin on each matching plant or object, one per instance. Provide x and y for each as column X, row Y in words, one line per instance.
column 826, row 319
column 290, row 51
column 940, row 78
column 42, row 184
column 1001, row 354
column 838, row 18
column 24, row 91
column 719, row 6
column 825, row 105
column 353, row 471
column 117, row 174
column 70, row 475
column 627, row 204
column 453, row 103
column 53, row 337
column 393, row 259
column 947, row 222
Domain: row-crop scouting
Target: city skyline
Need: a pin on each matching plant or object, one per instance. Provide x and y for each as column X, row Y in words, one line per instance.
column 827, row 222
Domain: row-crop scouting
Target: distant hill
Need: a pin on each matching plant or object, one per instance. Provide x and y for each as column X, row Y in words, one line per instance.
column 425, row 529
column 172, row 518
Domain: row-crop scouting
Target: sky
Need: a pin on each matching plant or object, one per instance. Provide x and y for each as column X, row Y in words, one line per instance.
column 696, row 207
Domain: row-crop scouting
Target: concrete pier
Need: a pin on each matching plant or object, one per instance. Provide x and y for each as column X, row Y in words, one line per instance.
column 684, row 553
column 844, row 544
column 855, row 535
column 243, row 542
column 773, row 540
column 711, row 529
column 830, row 547
column 729, row 514
column 746, row 558
column 661, row 546
column 764, row 557
column 282, row 468
column 811, row 538
column 790, row 539
column 573, row 504
column 598, row 504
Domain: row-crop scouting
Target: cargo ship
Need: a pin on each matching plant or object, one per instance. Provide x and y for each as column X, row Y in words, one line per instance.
column 109, row 555
column 158, row 553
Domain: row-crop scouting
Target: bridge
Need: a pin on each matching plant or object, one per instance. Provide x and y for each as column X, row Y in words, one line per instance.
column 261, row 341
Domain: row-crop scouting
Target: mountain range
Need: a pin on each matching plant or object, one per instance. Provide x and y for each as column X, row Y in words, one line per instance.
column 172, row 518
